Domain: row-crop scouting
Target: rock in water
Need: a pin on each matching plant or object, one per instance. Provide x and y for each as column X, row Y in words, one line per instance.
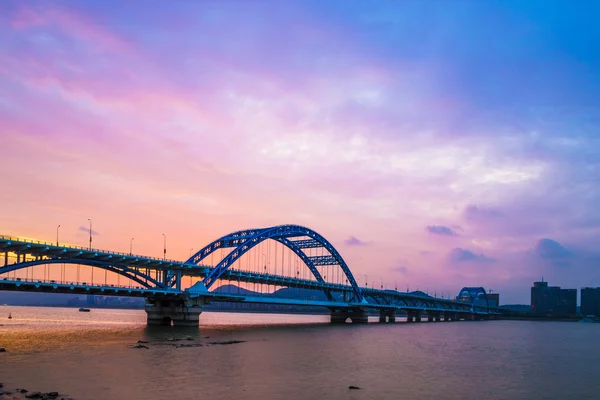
column 2, row 350
column 353, row 387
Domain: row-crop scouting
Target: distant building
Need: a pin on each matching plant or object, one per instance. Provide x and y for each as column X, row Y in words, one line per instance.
column 493, row 299
column 552, row 300
column 590, row 301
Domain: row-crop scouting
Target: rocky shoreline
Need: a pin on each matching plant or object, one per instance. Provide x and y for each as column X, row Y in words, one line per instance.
column 24, row 394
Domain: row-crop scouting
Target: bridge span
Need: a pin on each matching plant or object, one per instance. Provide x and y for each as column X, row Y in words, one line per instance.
column 291, row 264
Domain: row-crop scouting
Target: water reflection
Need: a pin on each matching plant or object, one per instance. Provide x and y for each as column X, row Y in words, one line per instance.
column 91, row 356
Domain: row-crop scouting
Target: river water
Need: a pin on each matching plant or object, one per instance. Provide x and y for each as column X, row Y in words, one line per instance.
column 89, row 356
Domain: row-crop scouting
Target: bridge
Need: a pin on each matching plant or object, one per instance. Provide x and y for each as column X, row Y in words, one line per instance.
column 288, row 259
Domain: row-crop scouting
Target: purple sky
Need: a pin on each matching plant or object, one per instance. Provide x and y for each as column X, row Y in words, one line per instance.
column 439, row 144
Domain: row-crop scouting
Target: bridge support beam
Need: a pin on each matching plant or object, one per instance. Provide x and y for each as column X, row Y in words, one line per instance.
column 357, row 316
column 386, row 316
column 177, row 312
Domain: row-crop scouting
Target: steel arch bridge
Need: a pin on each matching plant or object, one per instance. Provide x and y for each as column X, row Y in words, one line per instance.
column 294, row 237
column 475, row 296
column 160, row 280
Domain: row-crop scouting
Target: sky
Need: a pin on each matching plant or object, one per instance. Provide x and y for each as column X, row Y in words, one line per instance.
column 436, row 144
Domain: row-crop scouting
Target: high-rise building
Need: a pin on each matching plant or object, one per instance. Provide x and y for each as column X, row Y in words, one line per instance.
column 590, row 301
column 552, row 300
column 493, row 299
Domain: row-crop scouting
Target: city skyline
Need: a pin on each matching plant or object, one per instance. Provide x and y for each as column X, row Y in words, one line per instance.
column 458, row 152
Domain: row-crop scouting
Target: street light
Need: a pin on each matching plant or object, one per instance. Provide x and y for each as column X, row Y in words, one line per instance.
column 191, row 250
column 395, row 286
column 57, row 234
column 366, row 281
column 165, row 247
column 90, row 233
column 131, row 245
column 381, row 283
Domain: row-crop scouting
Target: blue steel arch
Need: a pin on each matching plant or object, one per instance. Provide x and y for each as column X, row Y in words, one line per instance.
column 129, row 273
column 474, row 293
column 245, row 240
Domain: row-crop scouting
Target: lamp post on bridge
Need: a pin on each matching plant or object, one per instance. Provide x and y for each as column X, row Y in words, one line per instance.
column 131, row 246
column 92, row 267
column 89, row 219
column 366, row 281
column 381, row 283
column 191, row 250
column 395, row 286
column 57, row 234
column 164, row 247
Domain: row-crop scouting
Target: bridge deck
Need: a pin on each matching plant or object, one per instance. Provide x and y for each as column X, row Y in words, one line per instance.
column 72, row 288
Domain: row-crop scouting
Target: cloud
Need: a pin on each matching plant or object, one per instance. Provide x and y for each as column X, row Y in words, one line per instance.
column 393, row 133
column 401, row 269
column 459, row 255
column 554, row 253
column 480, row 213
column 354, row 241
column 87, row 230
column 549, row 249
column 440, row 230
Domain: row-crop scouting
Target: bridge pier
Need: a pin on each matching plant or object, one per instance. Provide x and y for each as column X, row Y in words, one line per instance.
column 433, row 316
column 449, row 316
column 413, row 316
column 357, row 316
column 179, row 311
column 386, row 316
column 466, row 317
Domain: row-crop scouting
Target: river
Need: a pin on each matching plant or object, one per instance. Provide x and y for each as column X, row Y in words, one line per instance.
column 90, row 356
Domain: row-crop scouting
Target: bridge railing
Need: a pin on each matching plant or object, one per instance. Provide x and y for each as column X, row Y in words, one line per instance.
column 70, row 246
column 73, row 283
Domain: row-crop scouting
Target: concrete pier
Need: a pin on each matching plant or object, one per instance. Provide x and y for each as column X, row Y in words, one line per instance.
column 387, row 316
column 449, row 316
column 356, row 315
column 413, row 316
column 177, row 312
